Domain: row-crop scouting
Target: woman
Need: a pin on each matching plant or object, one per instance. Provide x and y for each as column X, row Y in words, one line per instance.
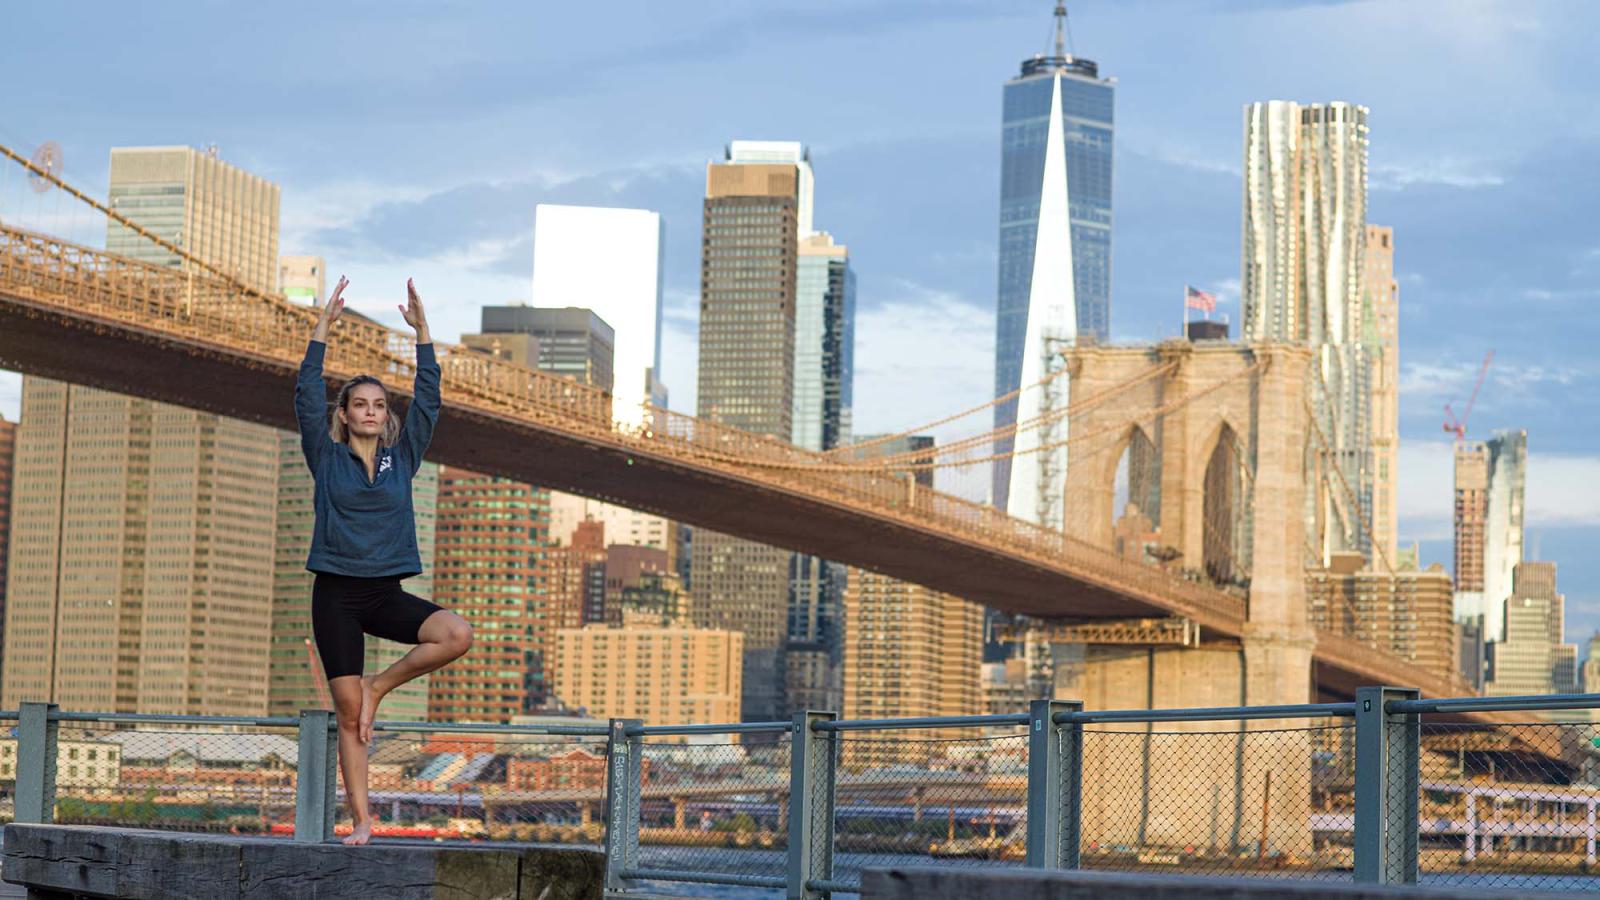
column 365, row 540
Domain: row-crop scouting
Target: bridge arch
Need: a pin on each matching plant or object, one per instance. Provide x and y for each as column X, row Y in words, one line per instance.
column 1134, row 475
column 1224, row 483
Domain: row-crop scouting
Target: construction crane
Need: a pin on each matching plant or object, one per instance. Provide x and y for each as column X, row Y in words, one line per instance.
column 1459, row 425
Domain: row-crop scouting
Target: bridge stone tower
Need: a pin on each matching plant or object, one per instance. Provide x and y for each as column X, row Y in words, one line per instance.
column 1208, row 443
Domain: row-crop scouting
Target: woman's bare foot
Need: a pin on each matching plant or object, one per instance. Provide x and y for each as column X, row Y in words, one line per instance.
column 360, row 833
column 369, row 710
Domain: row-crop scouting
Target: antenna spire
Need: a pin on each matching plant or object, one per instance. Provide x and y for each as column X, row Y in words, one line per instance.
column 1061, row 27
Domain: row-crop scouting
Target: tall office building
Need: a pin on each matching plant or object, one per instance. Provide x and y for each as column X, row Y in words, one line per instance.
column 571, row 341
column 215, row 211
column 1302, row 269
column 824, row 379
column 1383, row 314
column 757, row 202
column 141, row 572
column 295, row 679
column 303, row 279
column 1406, row 612
column 1055, row 255
column 608, row 261
column 667, row 675
column 909, row 650
column 1533, row 657
column 8, row 447
column 1490, row 480
column 824, row 344
column 749, row 255
column 492, row 571
column 1591, row 676
column 142, row 559
column 577, row 582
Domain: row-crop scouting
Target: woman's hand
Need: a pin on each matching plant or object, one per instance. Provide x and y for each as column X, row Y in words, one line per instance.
column 415, row 317
column 331, row 311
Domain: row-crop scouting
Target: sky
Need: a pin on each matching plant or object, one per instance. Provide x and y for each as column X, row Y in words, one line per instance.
column 414, row 139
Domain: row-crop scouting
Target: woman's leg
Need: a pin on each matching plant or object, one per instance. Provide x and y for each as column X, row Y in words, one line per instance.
column 347, row 695
column 443, row 637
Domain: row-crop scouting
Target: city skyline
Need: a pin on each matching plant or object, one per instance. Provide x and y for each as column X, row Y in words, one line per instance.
column 1480, row 229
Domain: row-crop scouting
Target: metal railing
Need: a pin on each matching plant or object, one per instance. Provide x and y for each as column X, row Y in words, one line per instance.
column 1389, row 787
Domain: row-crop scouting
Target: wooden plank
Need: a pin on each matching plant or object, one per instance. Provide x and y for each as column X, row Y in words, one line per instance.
column 155, row 865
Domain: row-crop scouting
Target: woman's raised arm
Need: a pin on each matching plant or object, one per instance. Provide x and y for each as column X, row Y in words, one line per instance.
column 417, row 432
column 310, row 390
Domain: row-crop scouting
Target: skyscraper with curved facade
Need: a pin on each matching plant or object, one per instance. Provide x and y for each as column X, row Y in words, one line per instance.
column 1055, row 254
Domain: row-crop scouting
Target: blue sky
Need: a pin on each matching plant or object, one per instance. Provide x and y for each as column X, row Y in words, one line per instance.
column 415, row 138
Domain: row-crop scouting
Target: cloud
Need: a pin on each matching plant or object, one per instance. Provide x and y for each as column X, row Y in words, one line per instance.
column 1425, row 381
column 1444, row 172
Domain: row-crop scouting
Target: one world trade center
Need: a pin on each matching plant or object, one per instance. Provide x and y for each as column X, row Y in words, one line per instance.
column 1055, row 263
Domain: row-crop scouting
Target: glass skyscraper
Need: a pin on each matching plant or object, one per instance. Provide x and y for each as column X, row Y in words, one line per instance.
column 824, row 343
column 1055, row 252
column 824, row 347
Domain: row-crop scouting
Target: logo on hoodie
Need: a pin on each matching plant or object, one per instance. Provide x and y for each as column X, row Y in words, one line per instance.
column 383, row 464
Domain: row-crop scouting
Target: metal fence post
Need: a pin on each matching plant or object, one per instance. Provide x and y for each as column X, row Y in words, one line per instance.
column 35, row 801
column 624, row 784
column 1388, row 747
column 1055, row 785
column 316, row 777
column 812, row 765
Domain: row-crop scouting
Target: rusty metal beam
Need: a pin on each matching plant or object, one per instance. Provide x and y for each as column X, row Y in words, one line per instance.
column 1173, row 631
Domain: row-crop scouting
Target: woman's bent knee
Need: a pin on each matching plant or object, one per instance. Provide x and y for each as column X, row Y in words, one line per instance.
column 460, row 637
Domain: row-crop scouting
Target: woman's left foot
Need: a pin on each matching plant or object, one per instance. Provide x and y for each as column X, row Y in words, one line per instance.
column 360, row 833
column 369, row 711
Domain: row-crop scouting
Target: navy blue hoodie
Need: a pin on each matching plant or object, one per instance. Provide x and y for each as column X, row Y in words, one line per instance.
column 365, row 528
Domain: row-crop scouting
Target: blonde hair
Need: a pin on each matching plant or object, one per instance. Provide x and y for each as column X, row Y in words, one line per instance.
column 341, row 434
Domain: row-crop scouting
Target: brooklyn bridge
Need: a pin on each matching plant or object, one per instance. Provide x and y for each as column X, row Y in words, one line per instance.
column 196, row 336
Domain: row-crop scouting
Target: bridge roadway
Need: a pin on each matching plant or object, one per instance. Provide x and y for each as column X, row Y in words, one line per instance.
column 81, row 315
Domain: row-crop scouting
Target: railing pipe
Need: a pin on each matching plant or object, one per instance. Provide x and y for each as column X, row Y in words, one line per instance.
column 729, row 728
column 924, row 722
column 1211, row 714
column 161, row 719
column 598, row 731
column 1495, row 704
column 760, row 881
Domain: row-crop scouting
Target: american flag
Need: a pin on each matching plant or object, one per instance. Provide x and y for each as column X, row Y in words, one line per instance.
column 1198, row 299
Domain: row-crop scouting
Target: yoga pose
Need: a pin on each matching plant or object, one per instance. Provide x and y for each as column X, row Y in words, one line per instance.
column 365, row 540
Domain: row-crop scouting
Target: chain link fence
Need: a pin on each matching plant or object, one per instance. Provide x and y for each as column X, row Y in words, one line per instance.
column 1510, row 807
column 945, row 797
column 1500, row 804
column 486, row 786
column 718, row 805
column 1198, row 799
column 230, row 780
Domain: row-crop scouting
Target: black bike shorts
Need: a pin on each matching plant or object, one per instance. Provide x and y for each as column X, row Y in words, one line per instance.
column 345, row 608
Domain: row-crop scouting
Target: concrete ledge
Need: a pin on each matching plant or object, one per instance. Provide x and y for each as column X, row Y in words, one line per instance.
column 68, row 861
column 933, row 883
